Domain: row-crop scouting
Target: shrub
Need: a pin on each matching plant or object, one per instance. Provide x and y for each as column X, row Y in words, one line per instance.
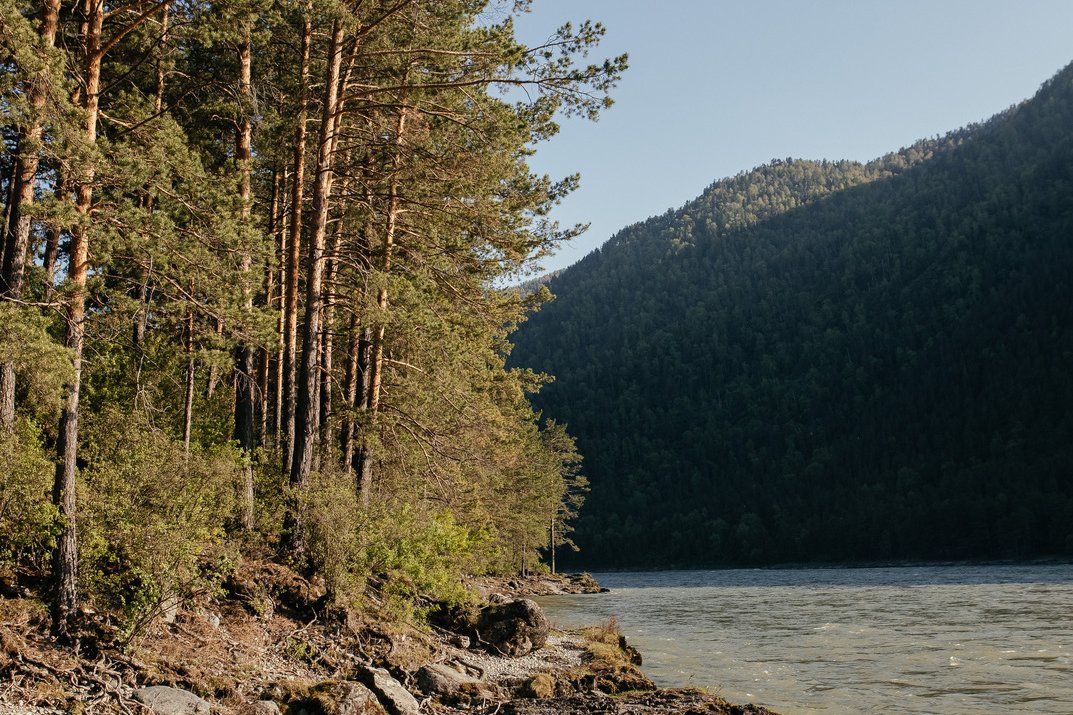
column 416, row 554
column 29, row 523
column 424, row 555
column 153, row 517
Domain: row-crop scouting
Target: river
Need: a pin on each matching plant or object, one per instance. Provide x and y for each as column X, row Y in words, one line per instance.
column 949, row 640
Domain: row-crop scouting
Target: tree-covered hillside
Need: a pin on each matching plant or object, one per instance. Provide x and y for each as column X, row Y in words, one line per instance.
column 821, row 361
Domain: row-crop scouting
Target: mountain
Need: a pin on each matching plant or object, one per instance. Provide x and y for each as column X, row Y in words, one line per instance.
column 831, row 361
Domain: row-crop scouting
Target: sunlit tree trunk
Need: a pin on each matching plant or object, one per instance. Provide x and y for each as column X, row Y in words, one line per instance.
column 24, row 176
column 307, row 409
column 290, row 313
column 376, row 360
column 65, row 554
column 245, row 377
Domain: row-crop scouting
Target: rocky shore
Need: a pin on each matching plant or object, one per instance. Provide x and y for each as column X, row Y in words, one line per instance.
column 270, row 646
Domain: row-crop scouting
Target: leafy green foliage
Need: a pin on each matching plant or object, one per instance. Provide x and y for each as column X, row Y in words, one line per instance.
column 154, row 518
column 411, row 553
column 28, row 521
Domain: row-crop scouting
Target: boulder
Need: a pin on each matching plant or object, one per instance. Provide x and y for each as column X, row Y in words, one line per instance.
column 165, row 700
column 356, row 699
column 451, row 685
column 514, row 628
column 439, row 679
column 395, row 698
column 585, row 583
column 335, row 697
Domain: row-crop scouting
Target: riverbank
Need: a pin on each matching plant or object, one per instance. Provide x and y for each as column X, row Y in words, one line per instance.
column 287, row 653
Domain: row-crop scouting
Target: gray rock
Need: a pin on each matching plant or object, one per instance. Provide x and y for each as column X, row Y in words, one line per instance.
column 263, row 707
column 337, row 698
column 439, row 679
column 396, row 699
column 513, row 629
column 165, row 700
column 453, row 686
column 356, row 699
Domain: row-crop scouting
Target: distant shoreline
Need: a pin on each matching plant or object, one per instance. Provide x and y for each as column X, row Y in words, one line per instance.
column 1042, row 561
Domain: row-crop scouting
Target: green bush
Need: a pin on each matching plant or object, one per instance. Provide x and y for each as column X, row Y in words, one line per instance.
column 153, row 518
column 424, row 555
column 28, row 521
column 414, row 554
column 332, row 525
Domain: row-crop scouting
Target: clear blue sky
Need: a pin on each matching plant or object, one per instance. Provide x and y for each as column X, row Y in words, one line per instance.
column 720, row 86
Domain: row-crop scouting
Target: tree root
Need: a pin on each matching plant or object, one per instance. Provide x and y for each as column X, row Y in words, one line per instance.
column 95, row 687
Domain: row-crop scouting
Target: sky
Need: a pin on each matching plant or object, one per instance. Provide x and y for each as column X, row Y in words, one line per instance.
column 716, row 87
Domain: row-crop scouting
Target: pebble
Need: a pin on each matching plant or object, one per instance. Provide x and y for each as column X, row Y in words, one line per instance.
column 561, row 651
column 8, row 708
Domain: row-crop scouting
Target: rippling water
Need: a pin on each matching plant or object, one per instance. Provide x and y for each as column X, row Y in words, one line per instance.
column 957, row 640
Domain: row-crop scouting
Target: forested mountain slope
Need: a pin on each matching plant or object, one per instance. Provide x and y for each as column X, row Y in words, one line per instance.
column 832, row 361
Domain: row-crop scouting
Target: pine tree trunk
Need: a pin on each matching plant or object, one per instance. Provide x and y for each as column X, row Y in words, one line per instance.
column 53, row 235
column 245, row 377
column 362, row 351
column 328, row 336
column 350, row 397
column 551, row 545
column 24, row 175
column 364, row 461
column 65, row 554
column 141, row 318
column 264, row 370
column 158, row 105
column 307, row 411
column 290, row 320
column 281, row 252
column 376, row 360
column 9, row 198
column 188, row 405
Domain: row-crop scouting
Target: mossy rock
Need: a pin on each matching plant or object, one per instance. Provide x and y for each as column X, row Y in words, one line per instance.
column 333, row 697
column 540, row 686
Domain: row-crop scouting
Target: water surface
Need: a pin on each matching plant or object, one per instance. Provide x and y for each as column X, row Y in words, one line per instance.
column 950, row 640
